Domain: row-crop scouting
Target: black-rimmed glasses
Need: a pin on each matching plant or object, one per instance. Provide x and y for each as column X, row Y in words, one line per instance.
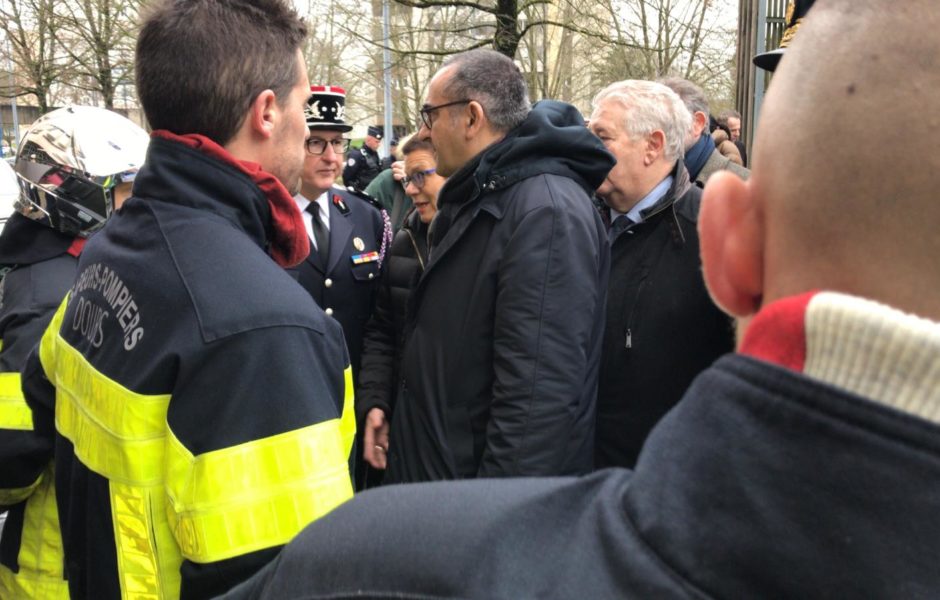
column 426, row 110
column 418, row 178
column 317, row 146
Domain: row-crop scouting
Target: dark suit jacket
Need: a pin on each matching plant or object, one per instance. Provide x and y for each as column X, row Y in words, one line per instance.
column 345, row 290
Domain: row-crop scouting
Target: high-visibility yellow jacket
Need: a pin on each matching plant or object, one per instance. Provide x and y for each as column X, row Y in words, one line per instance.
column 38, row 272
column 201, row 400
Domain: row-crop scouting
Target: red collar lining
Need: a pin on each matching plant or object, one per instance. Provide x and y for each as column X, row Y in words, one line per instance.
column 78, row 244
column 778, row 332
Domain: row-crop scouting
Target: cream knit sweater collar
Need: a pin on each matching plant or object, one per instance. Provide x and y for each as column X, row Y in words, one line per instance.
column 855, row 344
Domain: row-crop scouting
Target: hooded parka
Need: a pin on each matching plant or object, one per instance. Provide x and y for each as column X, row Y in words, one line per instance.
column 505, row 325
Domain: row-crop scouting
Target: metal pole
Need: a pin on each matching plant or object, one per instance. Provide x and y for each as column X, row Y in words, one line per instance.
column 760, row 74
column 16, row 120
column 387, row 64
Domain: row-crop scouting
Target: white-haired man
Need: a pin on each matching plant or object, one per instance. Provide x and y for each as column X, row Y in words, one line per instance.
column 662, row 328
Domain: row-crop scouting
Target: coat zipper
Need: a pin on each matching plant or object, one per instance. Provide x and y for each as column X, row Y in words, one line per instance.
column 414, row 244
column 628, row 334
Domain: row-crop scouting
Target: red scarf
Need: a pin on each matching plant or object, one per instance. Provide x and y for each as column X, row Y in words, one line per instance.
column 290, row 244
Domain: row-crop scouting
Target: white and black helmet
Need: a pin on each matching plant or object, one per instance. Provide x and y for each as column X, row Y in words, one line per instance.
column 69, row 162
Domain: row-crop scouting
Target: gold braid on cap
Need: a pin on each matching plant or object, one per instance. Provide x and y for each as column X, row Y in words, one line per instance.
column 792, row 25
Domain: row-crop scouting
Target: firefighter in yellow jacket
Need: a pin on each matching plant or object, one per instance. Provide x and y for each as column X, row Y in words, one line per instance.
column 198, row 398
column 91, row 156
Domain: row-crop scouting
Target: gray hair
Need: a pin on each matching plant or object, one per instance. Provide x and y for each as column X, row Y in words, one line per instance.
column 692, row 95
column 493, row 80
column 649, row 106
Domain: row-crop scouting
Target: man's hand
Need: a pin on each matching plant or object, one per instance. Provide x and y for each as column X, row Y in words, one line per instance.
column 375, row 438
column 398, row 170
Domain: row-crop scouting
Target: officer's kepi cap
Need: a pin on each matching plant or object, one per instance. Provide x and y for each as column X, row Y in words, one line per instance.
column 796, row 12
column 326, row 108
column 375, row 132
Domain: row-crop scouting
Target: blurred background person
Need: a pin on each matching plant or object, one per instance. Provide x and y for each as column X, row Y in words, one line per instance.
column 383, row 341
column 364, row 163
column 702, row 158
column 393, row 155
column 732, row 120
column 387, row 189
column 722, row 139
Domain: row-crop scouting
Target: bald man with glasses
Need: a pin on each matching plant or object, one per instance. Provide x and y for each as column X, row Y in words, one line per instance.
column 499, row 369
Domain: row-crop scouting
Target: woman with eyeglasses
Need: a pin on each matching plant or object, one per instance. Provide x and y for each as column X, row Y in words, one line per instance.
column 382, row 342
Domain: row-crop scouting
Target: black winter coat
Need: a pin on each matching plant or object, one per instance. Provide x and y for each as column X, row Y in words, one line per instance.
column 383, row 338
column 500, row 365
column 39, row 265
column 662, row 327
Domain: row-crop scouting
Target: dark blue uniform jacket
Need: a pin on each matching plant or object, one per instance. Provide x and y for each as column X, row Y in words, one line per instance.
column 346, row 286
column 184, row 348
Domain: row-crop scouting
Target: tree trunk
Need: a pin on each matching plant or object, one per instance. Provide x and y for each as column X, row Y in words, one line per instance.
column 506, row 38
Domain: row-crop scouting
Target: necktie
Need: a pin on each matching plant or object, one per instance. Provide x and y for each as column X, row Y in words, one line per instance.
column 320, row 233
column 620, row 225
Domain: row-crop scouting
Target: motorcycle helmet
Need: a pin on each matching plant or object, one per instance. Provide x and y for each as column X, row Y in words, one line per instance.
column 69, row 162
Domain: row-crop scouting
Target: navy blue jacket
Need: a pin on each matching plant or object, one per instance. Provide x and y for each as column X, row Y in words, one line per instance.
column 504, row 333
column 761, row 483
column 38, row 270
column 342, row 288
column 183, row 353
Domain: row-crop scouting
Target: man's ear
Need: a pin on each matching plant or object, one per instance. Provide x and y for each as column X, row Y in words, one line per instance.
column 699, row 123
column 475, row 118
column 655, row 146
column 263, row 114
column 731, row 236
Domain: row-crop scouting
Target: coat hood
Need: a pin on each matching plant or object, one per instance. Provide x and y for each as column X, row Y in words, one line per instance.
column 552, row 139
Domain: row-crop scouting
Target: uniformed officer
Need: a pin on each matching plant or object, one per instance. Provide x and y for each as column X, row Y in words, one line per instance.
column 75, row 166
column 393, row 154
column 349, row 231
column 364, row 163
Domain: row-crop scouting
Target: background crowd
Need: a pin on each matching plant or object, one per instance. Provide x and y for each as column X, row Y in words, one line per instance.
column 209, row 346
